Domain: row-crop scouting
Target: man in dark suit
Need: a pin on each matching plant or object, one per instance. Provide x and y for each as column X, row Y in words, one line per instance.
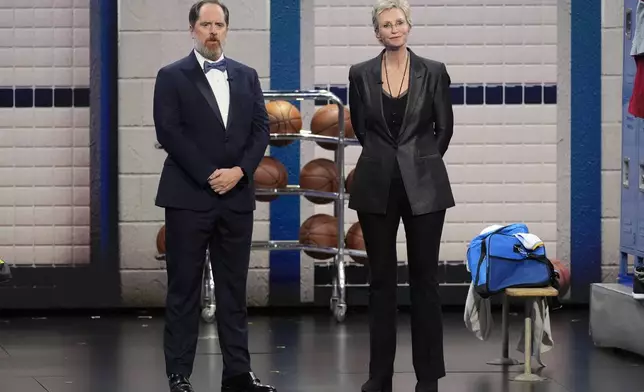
column 210, row 117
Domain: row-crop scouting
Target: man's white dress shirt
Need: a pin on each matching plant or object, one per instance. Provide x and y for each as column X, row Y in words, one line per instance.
column 218, row 82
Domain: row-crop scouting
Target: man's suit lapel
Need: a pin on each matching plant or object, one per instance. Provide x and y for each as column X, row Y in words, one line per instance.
column 234, row 84
column 195, row 73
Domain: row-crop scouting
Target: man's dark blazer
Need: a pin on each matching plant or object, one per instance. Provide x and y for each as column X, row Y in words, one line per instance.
column 423, row 139
column 190, row 128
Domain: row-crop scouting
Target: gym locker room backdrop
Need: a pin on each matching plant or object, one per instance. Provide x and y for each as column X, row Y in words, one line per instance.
column 81, row 169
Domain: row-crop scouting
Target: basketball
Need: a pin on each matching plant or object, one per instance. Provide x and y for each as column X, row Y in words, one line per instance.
column 283, row 117
column 325, row 122
column 354, row 240
column 161, row 240
column 563, row 277
column 348, row 181
column 319, row 230
column 270, row 174
column 320, row 175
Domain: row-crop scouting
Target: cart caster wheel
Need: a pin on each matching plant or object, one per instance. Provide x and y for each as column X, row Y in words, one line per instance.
column 208, row 313
column 340, row 312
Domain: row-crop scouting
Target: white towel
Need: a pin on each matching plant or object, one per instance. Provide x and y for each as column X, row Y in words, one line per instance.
column 478, row 314
column 529, row 240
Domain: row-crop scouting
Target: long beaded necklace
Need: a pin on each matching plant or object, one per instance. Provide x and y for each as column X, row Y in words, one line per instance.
column 403, row 77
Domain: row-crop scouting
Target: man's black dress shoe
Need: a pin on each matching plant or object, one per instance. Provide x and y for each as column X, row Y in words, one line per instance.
column 246, row 382
column 179, row 383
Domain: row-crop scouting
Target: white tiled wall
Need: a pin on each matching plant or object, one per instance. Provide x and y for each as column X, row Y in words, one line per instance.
column 44, row 151
column 151, row 37
column 482, row 41
column 612, row 46
column 502, row 160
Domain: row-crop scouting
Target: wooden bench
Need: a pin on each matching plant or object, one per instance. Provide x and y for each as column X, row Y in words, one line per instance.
column 529, row 294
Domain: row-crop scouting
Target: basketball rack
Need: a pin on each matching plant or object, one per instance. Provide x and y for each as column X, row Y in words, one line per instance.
column 338, row 303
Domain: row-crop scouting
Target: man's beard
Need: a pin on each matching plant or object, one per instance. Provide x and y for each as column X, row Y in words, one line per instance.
column 205, row 51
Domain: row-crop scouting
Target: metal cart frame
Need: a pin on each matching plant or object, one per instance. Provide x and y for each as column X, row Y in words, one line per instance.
column 338, row 304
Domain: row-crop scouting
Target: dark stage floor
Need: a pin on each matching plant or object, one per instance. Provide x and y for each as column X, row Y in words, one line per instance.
column 309, row 352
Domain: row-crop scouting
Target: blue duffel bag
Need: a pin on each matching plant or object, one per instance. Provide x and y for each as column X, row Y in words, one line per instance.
column 508, row 256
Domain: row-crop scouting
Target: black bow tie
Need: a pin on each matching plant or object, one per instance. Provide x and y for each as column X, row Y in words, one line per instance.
column 219, row 65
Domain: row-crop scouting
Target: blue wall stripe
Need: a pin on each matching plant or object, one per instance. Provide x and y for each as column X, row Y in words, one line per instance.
column 483, row 94
column 102, row 99
column 284, row 274
column 107, row 56
column 585, row 150
column 44, row 97
column 470, row 94
column 106, row 91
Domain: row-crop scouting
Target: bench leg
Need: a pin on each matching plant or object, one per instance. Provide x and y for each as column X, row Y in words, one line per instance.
column 527, row 371
column 505, row 357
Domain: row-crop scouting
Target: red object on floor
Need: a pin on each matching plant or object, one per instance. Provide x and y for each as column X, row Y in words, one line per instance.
column 636, row 104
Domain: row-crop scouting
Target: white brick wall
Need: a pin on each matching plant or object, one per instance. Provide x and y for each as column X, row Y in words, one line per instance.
column 612, row 53
column 502, row 160
column 44, row 151
column 151, row 37
column 489, row 41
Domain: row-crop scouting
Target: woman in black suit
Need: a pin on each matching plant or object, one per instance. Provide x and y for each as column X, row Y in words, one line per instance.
column 401, row 112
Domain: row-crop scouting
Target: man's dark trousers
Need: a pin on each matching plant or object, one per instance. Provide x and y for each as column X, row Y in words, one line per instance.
column 228, row 234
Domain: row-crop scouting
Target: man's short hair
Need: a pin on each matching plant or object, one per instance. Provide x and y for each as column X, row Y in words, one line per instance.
column 193, row 15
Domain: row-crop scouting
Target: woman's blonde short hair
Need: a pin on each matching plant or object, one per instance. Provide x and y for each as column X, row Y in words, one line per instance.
column 384, row 5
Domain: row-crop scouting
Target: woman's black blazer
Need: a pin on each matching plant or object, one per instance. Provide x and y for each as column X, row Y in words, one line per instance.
column 423, row 139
